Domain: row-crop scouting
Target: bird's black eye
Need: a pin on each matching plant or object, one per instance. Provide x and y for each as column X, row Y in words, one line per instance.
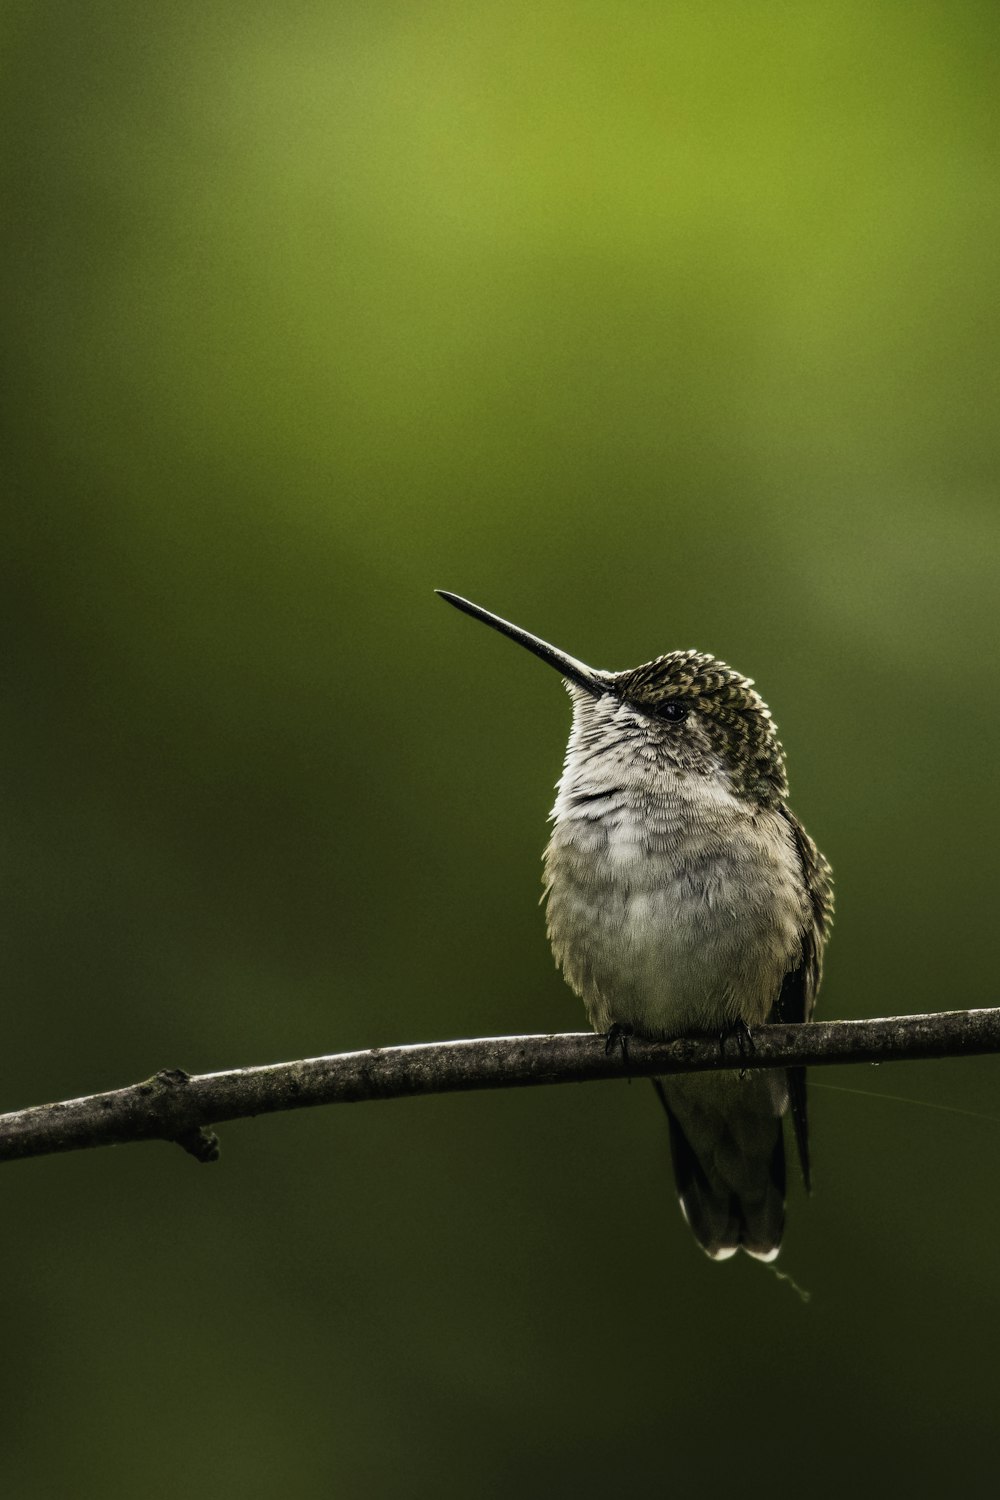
column 673, row 710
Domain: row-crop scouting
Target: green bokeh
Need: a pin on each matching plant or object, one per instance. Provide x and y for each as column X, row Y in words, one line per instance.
column 648, row 326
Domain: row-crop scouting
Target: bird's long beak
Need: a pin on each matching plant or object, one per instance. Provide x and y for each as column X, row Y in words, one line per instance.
column 567, row 666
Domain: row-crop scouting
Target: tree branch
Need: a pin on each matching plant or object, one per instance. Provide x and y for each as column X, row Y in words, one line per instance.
column 174, row 1106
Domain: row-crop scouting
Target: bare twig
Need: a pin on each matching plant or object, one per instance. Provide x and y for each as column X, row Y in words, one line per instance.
column 174, row 1106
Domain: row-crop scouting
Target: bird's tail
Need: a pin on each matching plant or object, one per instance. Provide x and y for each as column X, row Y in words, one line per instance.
column 727, row 1145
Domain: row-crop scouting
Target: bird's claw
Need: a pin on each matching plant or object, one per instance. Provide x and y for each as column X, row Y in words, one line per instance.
column 618, row 1035
column 745, row 1043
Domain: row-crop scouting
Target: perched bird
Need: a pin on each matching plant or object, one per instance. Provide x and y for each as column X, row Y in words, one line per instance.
column 682, row 896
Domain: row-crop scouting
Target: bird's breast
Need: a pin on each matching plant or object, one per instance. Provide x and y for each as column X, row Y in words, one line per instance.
column 674, row 909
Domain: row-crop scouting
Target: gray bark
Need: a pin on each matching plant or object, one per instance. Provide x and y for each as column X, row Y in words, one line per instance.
column 175, row 1106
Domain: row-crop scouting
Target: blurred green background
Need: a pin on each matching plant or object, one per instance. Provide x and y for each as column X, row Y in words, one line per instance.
column 647, row 326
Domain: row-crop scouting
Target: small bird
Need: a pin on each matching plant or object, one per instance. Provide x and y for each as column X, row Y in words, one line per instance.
column 683, row 897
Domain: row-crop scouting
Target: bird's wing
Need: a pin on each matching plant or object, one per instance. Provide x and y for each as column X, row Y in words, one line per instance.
column 797, row 999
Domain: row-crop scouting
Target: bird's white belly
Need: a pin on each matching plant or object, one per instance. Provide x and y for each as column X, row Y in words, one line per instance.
column 673, row 916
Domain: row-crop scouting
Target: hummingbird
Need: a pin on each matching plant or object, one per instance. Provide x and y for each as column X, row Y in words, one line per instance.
column 684, row 897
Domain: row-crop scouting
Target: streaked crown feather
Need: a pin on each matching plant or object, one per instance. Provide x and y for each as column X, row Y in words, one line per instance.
column 725, row 704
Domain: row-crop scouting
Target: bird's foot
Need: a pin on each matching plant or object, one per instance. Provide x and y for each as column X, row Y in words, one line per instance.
column 745, row 1043
column 617, row 1036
